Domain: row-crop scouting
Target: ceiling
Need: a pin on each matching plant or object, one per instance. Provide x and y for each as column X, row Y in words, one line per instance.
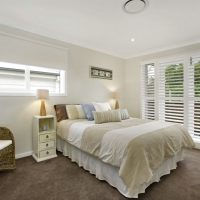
column 102, row 24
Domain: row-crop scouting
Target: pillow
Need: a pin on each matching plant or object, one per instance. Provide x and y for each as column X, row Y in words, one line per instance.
column 81, row 113
column 107, row 116
column 99, row 107
column 88, row 108
column 75, row 112
column 124, row 114
column 61, row 113
column 72, row 111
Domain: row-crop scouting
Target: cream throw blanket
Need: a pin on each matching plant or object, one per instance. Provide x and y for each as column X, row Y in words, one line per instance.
column 136, row 146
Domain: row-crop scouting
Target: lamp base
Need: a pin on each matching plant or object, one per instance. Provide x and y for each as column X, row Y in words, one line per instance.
column 116, row 104
column 42, row 108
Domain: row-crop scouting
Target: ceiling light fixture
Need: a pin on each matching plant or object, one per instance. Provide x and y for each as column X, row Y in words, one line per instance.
column 134, row 6
column 132, row 39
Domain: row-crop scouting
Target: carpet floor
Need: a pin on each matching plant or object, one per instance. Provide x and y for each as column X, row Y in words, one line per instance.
column 60, row 179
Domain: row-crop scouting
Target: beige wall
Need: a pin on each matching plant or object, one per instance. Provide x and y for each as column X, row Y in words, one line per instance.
column 21, row 47
column 133, row 72
column 26, row 48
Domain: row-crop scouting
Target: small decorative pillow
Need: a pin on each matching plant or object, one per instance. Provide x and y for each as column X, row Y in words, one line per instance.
column 72, row 112
column 61, row 113
column 75, row 112
column 124, row 114
column 99, row 107
column 81, row 113
column 107, row 116
column 88, row 108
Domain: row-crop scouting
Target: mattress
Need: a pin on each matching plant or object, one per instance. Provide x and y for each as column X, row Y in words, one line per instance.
column 109, row 173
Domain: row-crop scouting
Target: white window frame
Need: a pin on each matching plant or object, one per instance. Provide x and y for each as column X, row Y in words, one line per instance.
column 142, row 95
column 186, row 62
column 27, row 69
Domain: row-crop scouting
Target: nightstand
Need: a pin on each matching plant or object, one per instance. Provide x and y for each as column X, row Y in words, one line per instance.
column 44, row 137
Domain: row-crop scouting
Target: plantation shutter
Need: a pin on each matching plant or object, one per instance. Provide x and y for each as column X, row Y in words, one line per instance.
column 194, row 96
column 171, row 92
column 148, row 94
column 11, row 79
column 45, row 80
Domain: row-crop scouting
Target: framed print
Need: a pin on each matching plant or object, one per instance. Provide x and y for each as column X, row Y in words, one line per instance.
column 96, row 72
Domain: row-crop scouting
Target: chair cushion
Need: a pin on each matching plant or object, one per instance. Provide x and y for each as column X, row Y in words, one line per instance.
column 5, row 143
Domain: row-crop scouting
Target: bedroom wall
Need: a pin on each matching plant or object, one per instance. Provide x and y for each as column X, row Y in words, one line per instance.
column 133, row 72
column 25, row 48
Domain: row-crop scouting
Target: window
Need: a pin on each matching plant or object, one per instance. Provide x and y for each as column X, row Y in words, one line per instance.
column 171, row 92
column 148, row 108
column 22, row 79
column 194, row 96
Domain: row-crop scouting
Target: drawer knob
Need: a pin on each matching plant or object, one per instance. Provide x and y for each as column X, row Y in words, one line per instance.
column 47, row 152
column 47, row 136
column 47, row 145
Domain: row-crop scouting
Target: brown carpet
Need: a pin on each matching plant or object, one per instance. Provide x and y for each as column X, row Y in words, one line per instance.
column 60, row 179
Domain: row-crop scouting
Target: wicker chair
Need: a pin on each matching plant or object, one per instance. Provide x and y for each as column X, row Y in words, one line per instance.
column 7, row 155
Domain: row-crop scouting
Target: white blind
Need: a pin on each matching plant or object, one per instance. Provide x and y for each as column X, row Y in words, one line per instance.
column 45, row 80
column 194, row 96
column 21, row 79
column 11, row 79
column 171, row 92
column 148, row 87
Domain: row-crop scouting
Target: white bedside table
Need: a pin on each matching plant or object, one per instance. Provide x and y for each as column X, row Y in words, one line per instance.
column 44, row 137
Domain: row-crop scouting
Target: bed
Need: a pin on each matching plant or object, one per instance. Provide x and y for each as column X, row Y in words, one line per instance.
column 129, row 155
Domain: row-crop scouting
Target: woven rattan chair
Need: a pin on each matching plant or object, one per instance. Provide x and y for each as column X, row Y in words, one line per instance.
column 7, row 155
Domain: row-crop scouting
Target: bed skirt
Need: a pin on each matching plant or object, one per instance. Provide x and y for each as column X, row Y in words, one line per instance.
column 109, row 173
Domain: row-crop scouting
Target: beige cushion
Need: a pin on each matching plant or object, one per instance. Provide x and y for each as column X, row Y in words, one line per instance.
column 75, row 112
column 81, row 113
column 100, row 107
column 72, row 112
column 5, row 143
column 107, row 116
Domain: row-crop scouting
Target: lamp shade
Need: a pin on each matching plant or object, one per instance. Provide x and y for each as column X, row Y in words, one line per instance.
column 42, row 94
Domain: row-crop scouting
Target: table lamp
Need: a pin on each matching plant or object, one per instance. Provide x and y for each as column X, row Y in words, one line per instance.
column 115, row 96
column 42, row 94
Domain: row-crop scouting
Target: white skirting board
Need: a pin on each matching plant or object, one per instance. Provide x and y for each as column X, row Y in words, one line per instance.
column 22, row 155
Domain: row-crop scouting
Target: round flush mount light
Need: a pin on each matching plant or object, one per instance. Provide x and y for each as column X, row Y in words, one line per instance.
column 135, row 6
column 132, row 39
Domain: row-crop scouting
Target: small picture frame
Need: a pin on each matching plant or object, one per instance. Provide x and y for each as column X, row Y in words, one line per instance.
column 96, row 72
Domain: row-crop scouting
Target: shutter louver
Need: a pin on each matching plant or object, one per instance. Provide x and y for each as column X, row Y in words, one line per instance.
column 194, row 96
column 148, row 104
column 171, row 92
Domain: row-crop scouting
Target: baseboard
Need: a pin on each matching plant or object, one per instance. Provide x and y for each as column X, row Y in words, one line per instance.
column 197, row 145
column 22, row 155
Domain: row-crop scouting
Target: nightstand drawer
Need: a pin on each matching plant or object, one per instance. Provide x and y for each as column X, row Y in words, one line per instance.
column 46, row 137
column 47, row 153
column 45, row 145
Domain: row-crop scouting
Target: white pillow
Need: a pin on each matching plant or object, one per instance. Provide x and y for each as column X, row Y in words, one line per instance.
column 100, row 107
